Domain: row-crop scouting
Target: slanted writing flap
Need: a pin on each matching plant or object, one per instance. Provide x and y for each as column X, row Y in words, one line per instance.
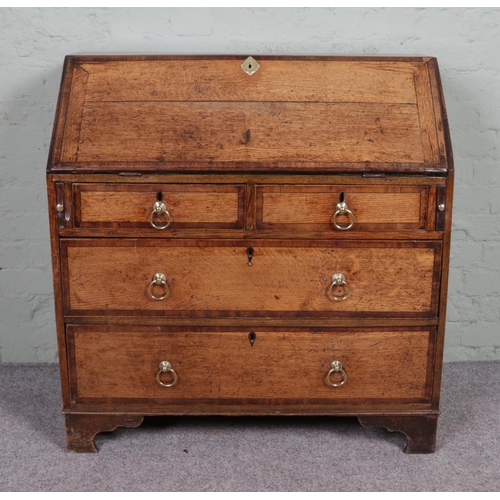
column 302, row 114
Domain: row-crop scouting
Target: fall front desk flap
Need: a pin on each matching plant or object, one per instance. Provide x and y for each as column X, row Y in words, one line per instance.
column 297, row 114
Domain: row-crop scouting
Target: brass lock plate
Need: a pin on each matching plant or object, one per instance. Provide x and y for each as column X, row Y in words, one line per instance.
column 250, row 66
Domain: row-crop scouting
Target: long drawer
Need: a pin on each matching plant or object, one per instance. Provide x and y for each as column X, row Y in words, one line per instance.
column 251, row 278
column 206, row 365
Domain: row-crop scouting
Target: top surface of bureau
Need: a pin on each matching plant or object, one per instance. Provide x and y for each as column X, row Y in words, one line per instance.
column 294, row 114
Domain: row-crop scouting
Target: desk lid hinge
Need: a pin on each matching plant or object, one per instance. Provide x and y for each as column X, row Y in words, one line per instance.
column 375, row 175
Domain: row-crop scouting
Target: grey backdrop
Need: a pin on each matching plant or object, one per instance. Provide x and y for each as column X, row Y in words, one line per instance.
column 33, row 43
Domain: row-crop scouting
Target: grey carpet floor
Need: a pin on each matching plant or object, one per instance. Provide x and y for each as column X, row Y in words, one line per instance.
column 249, row 454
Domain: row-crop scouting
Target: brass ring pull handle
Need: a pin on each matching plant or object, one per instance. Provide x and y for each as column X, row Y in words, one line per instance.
column 336, row 367
column 159, row 279
column 339, row 280
column 342, row 209
column 159, row 208
column 166, row 367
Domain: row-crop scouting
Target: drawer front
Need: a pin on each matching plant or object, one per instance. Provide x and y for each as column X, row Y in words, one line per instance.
column 189, row 206
column 112, row 363
column 398, row 279
column 367, row 208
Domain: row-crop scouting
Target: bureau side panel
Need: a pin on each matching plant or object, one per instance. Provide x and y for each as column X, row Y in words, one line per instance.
column 54, row 198
column 445, row 143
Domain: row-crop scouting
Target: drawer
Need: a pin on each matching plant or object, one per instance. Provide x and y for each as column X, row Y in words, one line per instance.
column 189, row 206
column 337, row 208
column 122, row 364
column 214, row 278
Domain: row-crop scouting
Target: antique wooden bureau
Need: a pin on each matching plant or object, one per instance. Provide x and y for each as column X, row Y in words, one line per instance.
column 250, row 236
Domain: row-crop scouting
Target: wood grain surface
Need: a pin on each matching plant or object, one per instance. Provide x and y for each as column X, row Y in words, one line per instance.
column 392, row 278
column 271, row 177
column 380, row 364
column 295, row 114
column 276, row 80
column 313, row 207
column 433, row 150
column 250, row 162
column 82, row 429
column 246, row 132
column 73, row 119
column 420, row 430
column 191, row 206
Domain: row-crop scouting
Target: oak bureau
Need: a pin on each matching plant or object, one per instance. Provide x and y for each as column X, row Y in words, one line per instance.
column 262, row 235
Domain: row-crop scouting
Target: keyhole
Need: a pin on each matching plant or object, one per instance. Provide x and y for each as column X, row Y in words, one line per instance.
column 342, row 197
column 252, row 336
column 250, row 252
column 159, row 196
column 250, row 65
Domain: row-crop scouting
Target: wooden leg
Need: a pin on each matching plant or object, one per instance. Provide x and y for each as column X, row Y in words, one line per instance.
column 81, row 429
column 420, row 430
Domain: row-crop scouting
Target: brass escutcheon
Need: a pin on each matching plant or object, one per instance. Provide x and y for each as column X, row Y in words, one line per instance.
column 250, row 66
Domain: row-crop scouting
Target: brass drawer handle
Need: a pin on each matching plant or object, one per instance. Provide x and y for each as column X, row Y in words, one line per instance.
column 159, row 279
column 336, row 367
column 339, row 280
column 342, row 209
column 159, row 208
column 166, row 367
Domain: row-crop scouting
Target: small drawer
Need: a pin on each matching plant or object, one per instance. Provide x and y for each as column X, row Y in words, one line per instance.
column 344, row 207
column 176, row 365
column 159, row 206
column 251, row 278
